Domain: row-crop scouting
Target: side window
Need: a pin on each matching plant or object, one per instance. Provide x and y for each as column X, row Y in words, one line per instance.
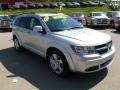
column 25, row 22
column 17, row 22
column 109, row 14
column 34, row 22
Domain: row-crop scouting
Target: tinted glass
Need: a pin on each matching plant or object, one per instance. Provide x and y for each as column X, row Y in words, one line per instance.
column 25, row 22
column 116, row 14
column 98, row 14
column 34, row 22
column 17, row 22
column 60, row 23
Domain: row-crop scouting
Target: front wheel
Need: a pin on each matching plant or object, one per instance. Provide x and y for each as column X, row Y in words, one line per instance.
column 58, row 63
column 17, row 45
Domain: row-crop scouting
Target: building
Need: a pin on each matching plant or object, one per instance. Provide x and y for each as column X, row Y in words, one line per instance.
column 12, row 2
column 17, row 3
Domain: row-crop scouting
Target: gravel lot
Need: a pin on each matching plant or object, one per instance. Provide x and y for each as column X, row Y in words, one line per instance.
column 28, row 71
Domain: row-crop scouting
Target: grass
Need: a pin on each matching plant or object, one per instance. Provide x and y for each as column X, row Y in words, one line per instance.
column 85, row 10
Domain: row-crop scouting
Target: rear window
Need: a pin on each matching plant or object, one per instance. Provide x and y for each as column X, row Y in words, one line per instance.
column 4, row 18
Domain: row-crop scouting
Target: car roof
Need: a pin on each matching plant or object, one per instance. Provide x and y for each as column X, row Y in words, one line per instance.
column 114, row 11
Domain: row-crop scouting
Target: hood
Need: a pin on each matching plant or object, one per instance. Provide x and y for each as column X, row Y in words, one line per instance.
column 85, row 36
column 100, row 17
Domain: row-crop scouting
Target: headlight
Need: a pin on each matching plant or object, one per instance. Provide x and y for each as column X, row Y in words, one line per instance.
column 84, row 50
column 94, row 20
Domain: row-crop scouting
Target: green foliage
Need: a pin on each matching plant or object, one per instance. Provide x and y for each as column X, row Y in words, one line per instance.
column 85, row 10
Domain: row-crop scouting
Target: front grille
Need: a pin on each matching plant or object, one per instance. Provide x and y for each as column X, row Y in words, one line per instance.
column 104, row 48
column 102, row 21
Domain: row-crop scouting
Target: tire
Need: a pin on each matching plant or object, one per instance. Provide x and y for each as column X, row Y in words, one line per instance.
column 58, row 63
column 17, row 45
column 118, row 28
column 91, row 24
column 86, row 23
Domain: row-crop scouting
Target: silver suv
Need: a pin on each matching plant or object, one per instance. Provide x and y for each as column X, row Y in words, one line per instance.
column 65, row 43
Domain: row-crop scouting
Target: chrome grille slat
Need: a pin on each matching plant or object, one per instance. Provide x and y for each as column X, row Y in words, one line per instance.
column 104, row 48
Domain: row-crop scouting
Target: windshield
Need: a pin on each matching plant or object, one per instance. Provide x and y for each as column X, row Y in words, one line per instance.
column 98, row 14
column 61, row 22
column 116, row 14
column 77, row 14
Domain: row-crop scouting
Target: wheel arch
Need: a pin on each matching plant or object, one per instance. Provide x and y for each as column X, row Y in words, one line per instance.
column 65, row 53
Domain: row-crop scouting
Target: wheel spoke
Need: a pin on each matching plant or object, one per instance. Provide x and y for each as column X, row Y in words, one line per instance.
column 60, row 68
column 55, row 57
column 56, row 63
column 60, row 61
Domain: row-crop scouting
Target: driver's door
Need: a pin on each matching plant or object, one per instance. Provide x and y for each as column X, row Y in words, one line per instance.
column 36, row 39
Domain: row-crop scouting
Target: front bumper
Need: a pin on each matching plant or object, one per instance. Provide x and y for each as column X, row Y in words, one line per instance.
column 5, row 26
column 101, row 24
column 96, row 23
column 92, row 63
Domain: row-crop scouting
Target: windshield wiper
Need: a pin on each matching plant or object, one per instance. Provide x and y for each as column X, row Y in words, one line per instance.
column 75, row 27
column 57, row 30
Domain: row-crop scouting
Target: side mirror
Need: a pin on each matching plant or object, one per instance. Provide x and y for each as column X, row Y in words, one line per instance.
column 39, row 29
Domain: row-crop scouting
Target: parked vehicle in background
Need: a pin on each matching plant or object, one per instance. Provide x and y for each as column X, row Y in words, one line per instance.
column 31, row 5
column 69, row 4
column 39, row 5
column 90, row 3
column 23, row 6
column 61, row 4
column 117, row 24
column 101, row 3
column 5, row 23
column 113, row 15
column 82, row 49
column 12, row 17
column 53, row 5
column 79, row 16
column 13, row 7
column 46, row 5
column 76, row 4
column 97, row 18
column 83, row 4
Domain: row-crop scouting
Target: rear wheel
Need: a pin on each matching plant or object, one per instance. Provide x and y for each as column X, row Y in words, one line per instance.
column 91, row 24
column 58, row 63
column 118, row 28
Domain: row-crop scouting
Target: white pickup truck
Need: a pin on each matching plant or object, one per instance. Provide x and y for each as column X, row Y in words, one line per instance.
column 97, row 18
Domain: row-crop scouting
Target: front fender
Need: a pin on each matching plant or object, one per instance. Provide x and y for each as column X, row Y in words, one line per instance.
column 66, row 53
